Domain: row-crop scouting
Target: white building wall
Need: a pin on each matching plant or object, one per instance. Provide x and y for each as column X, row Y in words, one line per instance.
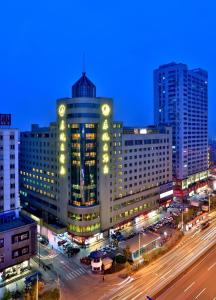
column 9, row 174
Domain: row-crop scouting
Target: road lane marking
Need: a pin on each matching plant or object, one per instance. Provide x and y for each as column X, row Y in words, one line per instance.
column 137, row 296
column 211, row 266
column 189, row 287
column 197, row 296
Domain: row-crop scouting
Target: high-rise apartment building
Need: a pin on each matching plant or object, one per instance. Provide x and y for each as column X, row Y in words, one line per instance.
column 181, row 101
column 17, row 233
column 89, row 173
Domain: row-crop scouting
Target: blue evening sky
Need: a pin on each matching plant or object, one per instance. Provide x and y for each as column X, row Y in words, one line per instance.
column 42, row 43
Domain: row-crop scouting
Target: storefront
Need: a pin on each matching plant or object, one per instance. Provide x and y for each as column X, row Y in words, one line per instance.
column 87, row 241
column 14, row 270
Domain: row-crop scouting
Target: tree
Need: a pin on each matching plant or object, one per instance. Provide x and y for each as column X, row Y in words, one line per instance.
column 127, row 252
column 50, row 295
column 7, row 295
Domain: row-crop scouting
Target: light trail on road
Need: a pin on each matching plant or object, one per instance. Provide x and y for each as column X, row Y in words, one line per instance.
column 152, row 278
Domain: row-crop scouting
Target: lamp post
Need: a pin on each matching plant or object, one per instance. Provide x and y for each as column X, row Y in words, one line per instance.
column 182, row 218
column 209, row 202
column 139, row 247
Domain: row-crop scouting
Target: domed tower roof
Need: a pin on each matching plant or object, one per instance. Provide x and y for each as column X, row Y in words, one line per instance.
column 83, row 88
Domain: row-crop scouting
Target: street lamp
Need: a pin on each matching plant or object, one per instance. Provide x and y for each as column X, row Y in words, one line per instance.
column 209, row 202
column 140, row 260
column 182, row 218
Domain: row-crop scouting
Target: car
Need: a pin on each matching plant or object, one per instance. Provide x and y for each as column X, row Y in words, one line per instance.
column 65, row 246
column 44, row 241
column 72, row 251
column 113, row 248
column 120, row 238
column 62, row 242
column 113, row 236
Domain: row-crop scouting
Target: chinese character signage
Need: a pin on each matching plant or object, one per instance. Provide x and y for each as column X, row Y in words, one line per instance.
column 5, row 119
column 62, row 139
column 105, row 137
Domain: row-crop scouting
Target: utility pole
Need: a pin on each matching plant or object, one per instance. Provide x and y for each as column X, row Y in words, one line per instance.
column 182, row 219
column 209, row 201
column 139, row 247
column 39, row 256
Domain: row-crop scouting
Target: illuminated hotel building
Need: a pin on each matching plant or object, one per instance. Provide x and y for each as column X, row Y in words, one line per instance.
column 181, row 101
column 89, row 173
column 17, row 232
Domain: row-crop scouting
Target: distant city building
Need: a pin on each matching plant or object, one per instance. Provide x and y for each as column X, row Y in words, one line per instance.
column 181, row 101
column 212, row 152
column 88, row 173
column 17, row 233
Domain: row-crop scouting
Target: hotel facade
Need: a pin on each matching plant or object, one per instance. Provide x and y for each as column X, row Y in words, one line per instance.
column 87, row 173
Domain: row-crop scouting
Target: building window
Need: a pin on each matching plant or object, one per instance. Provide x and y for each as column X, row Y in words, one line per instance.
column 20, row 237
column 1, row 243
column 19, row 252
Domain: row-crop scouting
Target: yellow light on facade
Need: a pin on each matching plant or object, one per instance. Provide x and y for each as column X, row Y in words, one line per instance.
column 62, row 137
column 62, row 147
column 62, row 170
column 62, row 125
column 61, row 110
column 105, row 158
column 105, row 147
column 105, row 137
column 105, row 108
column 105, row 125
column 62, row 158
column 105, row 169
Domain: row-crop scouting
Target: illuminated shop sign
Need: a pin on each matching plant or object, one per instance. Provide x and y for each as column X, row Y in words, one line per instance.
column 105, row 137
column 62, row 139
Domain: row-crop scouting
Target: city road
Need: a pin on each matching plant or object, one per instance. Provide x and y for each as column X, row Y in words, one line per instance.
column 198, row 283
column 154, row 277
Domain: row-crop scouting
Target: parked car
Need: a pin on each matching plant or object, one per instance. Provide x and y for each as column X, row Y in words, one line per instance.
column 62, row 242
column 66, row 245
column 72, row 251
column 44, row 241
column 113, row 236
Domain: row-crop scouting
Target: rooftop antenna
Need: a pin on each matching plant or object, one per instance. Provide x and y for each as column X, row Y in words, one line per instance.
column 83, row 64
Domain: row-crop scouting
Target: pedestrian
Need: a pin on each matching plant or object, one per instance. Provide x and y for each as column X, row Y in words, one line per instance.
column 103, row 277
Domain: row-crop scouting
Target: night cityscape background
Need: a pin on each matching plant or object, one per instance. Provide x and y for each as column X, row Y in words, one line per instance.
column 42, row 46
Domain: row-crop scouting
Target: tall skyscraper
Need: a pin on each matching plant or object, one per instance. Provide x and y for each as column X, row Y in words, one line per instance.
column 18, row 233
column 181, row 101
column 89, row 173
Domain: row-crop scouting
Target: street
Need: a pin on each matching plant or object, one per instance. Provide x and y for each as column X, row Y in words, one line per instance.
column 154, row 277
column 198, row 283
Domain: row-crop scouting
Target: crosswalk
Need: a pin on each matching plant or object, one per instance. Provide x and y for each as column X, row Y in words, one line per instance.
column 69, row 272
column 75, row 273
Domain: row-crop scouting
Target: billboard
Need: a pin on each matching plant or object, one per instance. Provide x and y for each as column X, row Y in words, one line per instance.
column 5, row 119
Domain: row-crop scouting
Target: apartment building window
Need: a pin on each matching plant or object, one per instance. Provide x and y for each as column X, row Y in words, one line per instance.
column 20, row 237
column 1, row 243
column 1, row 259
column 19, row 252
